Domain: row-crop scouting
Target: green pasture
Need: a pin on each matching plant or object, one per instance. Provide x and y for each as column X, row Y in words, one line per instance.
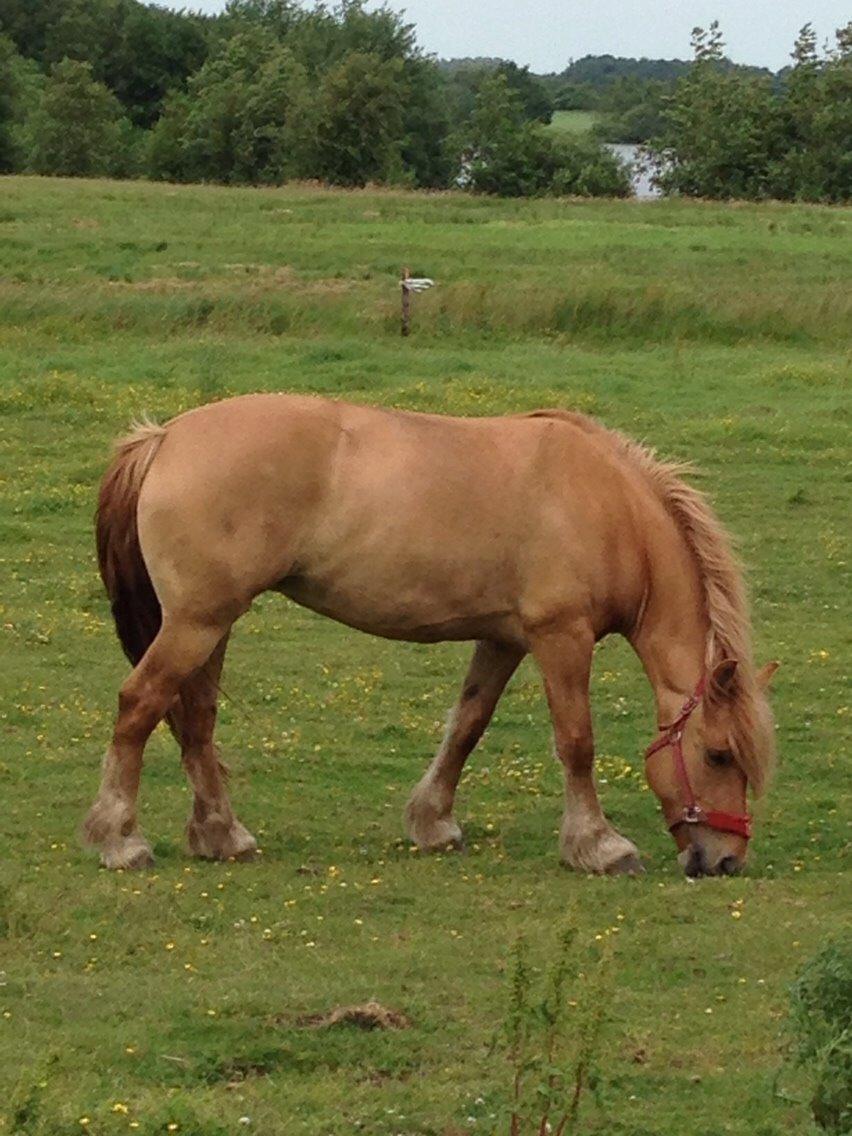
column 573, row 121
column 180, row 999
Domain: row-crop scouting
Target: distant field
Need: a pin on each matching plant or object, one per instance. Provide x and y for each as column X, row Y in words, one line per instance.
column 573, row 121
column 175, row 1000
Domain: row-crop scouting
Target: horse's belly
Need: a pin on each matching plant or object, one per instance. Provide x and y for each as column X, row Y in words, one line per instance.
column 418, row 613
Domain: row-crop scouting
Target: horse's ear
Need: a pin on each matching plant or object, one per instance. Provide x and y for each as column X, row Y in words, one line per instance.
column 764, row 675
column 722, row 678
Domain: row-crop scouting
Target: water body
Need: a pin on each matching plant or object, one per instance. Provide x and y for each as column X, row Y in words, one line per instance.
column 631, row 155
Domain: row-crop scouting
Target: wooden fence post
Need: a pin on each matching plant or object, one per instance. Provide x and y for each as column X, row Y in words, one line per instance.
column 408, row 285
column 406, row 303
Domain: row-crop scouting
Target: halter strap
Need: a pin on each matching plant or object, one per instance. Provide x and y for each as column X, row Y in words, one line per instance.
column 671, row 736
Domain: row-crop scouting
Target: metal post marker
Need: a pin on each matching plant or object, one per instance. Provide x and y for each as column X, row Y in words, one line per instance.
column 411, row 284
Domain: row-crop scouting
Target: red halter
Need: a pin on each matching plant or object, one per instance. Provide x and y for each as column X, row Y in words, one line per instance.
column 693, row 813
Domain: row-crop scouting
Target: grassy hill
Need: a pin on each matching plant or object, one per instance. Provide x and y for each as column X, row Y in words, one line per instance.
column 181, row 999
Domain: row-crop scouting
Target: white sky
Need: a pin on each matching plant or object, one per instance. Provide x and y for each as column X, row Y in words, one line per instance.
column 546, row 34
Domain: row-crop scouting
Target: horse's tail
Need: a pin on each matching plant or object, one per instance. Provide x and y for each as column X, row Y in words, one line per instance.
column 135, row 607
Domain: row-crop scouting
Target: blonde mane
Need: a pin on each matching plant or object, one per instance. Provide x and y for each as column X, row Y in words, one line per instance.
column 752, row 732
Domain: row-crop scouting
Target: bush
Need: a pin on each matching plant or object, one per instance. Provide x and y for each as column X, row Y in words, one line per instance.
column 728, row 133
column 821, row 1019
column 586, row 169
column 164, row 151
column 20, row 90
column 509, row 156
column 360, row 131
column 248, row 117
column 552, row 1041
column 722, row 128
column 78, row 129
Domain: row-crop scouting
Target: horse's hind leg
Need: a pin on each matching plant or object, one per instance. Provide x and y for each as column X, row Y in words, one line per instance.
column 429, row 811
column 587, row 841
column 213, row 832
column 181, row 646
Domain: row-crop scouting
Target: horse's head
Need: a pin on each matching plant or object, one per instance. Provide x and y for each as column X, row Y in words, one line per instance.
column 702, row 764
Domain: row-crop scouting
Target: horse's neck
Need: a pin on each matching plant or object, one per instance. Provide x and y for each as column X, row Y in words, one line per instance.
column 671, row 639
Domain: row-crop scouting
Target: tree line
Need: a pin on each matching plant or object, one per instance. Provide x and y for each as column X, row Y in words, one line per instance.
column 270, row 91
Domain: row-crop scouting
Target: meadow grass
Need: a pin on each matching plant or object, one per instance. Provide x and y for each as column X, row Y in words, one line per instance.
column 573, row 121
column 180, row 997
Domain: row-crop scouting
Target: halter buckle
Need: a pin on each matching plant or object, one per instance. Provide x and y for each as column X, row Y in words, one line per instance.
column 693, row 814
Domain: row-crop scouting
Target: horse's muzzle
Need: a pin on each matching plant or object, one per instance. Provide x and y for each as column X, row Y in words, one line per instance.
column 697, row 865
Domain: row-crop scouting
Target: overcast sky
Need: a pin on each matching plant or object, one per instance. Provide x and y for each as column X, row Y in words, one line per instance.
column 546, row 34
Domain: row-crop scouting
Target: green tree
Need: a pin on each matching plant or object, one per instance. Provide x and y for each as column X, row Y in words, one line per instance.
column 575, row 96
column 816, row 116
column 249, row 116
column 153, row 51
column 324, row 38
column 361, row 120
column 78, row 129
column 164, row 155
column 140, row 51
column 81, row 30
column 632, row 110
column 426, row 125
column 8, row 103
column 584, row 168
column 500, row 153
column 26, row 23
column 207, row 124
column 504, row 154
column 276, row 133
column 721, row 128
column 535, row 99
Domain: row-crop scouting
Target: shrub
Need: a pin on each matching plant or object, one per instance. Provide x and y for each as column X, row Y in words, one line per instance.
column 586, row 169
column 20, row 89
column 508, row 156
column 821, row 1019
column 360, row 130
column 728, row 133
column 78, row 129
column 553, row 1036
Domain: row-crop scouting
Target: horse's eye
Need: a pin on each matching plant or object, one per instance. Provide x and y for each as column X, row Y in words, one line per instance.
column 720, row 758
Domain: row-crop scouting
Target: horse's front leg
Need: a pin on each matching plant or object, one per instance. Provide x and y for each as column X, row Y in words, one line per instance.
column 429, row 813
column 588, row 841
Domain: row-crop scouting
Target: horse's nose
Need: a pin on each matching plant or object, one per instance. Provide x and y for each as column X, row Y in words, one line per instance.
column 696, row 864
column 729, row 866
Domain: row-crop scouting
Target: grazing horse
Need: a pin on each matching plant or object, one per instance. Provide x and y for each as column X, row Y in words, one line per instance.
column 533, row 533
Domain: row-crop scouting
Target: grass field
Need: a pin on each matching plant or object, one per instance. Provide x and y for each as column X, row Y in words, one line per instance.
column 175, row 1000
column 573, row 121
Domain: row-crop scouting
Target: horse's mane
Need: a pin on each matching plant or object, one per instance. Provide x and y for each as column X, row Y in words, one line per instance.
column 752, row 732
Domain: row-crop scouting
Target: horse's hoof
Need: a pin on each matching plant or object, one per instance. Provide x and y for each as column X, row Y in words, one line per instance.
column 211, row 843
column 456, row 845
column 627, row 865
column 132, row 856
column 445, row 837
column 240, row 845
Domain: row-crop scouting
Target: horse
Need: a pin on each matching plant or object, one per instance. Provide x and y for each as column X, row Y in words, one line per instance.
column 535, row 533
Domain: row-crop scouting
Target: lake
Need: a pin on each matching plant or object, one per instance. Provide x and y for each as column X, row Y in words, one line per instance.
column 629, row 152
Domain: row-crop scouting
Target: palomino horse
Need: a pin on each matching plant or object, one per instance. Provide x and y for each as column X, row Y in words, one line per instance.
column 536, row 533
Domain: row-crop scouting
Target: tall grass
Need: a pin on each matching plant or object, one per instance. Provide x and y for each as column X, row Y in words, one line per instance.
column 310, row 262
